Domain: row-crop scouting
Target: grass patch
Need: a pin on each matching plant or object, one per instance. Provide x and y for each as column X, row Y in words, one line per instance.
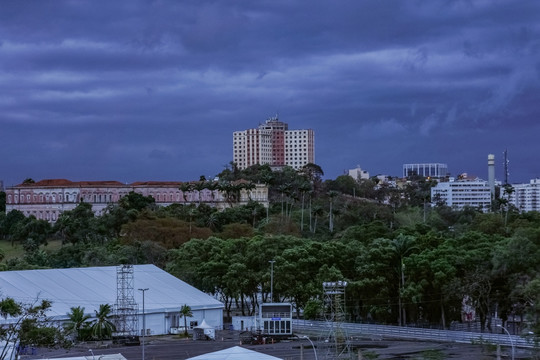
column 431, row 355
column 17, row 250
column 369, row 355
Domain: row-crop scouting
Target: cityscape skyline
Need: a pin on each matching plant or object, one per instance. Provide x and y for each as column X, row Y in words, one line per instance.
column 153, row 90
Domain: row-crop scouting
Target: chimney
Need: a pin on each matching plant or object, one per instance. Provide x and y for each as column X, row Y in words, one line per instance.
column 491, row 175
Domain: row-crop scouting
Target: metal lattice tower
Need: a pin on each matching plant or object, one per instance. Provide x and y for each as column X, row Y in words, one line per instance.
column 338, row 345
column 125, row 309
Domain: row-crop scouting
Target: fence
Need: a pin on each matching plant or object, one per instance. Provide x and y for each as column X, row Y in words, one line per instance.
column 401, row 332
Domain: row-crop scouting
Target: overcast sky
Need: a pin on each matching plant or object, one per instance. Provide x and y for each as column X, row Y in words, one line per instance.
column 153, row 90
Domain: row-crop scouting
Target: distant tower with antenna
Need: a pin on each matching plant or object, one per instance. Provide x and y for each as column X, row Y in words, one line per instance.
column 506, row 162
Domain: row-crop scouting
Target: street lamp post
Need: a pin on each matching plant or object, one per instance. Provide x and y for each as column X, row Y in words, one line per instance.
column 510, row 337
column 143, row 320
column 272, row 280
column 93, row 356
column 312, row 346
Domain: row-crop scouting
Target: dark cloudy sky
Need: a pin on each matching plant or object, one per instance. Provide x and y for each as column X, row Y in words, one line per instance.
column 152, row 90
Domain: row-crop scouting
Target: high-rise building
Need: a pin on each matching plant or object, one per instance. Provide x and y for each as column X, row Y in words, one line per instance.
column 274, row 144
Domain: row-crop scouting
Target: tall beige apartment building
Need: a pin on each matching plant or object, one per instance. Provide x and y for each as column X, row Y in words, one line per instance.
column 273, row 143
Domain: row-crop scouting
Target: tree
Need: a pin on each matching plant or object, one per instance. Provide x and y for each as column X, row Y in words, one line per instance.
column 27, row 325
column 77, row 323
column 136, row 201
column 76, row 225
column 185, row 312
column 102, row 327
column 2, row 201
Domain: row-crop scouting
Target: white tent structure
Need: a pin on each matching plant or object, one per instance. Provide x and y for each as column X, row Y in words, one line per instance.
column 234, row 353
column 93, row 286
column 204, row 331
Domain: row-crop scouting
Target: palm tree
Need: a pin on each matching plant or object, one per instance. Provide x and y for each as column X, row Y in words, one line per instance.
column 212, row 186
column 317, row 211
column 249, row 187
column 102, row 327
column 77, row 321
column 200, row 186
column 303, row 188
column 185, row 188
column 185, row 312
column 331, row 195
column 402, row 246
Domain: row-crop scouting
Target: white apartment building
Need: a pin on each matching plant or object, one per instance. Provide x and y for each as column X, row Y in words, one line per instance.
column 459, row 194
column 526, row 197
column 273, row 143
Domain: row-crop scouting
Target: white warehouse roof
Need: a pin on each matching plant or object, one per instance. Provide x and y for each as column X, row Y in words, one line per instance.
column 93, row 286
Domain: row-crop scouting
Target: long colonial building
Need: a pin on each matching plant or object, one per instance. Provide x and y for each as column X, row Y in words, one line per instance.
column 47, row 199
column 274, row 144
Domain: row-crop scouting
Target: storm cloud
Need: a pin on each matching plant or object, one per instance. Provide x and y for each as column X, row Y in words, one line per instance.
column 152, row 90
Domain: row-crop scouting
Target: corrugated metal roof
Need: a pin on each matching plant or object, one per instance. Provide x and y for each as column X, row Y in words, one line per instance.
column 93, row 286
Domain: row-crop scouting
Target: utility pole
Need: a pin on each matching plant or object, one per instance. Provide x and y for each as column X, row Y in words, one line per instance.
column 272, row 280
column 143, row 320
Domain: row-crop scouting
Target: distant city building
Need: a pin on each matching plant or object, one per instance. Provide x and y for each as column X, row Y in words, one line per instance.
column 462, row 193
column 358, row 173
column 434, row 170
column 47, row 199
column 274, row 144
column 526, row 197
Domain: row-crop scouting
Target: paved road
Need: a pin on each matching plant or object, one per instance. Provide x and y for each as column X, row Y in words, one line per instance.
column 174, row 348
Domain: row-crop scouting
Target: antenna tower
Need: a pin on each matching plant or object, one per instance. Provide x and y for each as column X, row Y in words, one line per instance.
column 506, row 162
column 338, row 345
column 125, row 309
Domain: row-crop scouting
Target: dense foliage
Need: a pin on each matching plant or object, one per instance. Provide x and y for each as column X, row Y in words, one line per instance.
column 405, row 261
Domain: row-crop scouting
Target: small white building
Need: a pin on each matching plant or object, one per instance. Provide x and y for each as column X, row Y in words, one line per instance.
column 94, row 286
column 358, row 173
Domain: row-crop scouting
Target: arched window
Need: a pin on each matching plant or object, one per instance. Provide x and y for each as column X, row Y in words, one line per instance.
column 9, row 199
